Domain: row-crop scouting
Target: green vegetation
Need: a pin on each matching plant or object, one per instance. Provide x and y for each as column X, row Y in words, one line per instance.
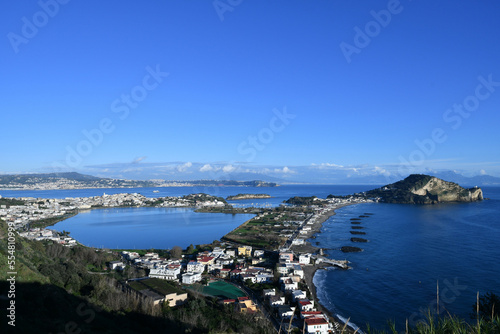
column 487, row 307
column 247, row 196
column 446, row 325
column 43, row 223
column 311, row 200
column 265, row 230
column 158, row 285
column 8, row 202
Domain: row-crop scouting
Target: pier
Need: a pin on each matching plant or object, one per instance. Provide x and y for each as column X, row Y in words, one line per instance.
column 337, row 263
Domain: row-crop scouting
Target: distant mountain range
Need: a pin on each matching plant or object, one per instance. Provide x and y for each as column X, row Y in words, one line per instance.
column 238, row 177
column 478, row 180
column 73, row 180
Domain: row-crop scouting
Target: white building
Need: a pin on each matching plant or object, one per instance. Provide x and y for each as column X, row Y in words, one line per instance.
column 286, row 312
column 116, row 265
column 264, row 278
column 190, row 278
column 298, row 271
column 288, row 285
column 258, row 253
column 316, row 325
column 298, row 294
column 282, row 268
column 306, row 305
column 195, row 267
column 276, row 301
column 214, row 266
column 269, row 292
column 170, row 274
column 305, row 259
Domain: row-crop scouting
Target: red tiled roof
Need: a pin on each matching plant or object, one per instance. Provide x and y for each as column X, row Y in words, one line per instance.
column 205, row 258
column 316, row 321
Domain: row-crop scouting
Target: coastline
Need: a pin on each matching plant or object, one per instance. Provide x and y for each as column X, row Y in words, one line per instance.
column 310, row 270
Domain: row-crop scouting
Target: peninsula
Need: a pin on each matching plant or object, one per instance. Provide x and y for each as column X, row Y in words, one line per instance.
column 421, row 189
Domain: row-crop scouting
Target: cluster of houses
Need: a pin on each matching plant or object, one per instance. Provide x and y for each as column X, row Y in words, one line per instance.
column 290, row 303
column 46, row 234
column 224, row 263
column 290, row 300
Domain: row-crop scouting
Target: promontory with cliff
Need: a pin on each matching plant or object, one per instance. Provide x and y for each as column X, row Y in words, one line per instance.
column 425, row 189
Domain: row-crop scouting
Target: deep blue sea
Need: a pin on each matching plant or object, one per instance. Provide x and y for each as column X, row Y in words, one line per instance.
column 411, row 248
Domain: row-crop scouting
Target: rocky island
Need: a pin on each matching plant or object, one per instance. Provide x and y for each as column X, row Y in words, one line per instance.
column 247, row 196
column 424, row 189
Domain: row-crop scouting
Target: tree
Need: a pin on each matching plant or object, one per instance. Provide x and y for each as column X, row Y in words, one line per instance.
column 176, row 252
column 489, row 305
column 190, row 249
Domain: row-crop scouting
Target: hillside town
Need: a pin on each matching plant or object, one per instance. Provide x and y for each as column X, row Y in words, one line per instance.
column 271, row 282
column 286, row 299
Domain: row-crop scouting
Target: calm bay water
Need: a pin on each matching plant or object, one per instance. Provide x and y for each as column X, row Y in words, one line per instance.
column 144, row 228
column 411, row 247
column 139, row 228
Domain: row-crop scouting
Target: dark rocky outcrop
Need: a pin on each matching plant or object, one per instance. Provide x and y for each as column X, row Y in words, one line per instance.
column 359, row 240
column 350, row 249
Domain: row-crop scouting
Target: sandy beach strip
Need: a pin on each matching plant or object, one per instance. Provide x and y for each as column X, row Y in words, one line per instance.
column 310, row 270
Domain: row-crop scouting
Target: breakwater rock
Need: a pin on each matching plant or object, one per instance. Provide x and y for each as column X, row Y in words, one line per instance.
column 359, row 240
column 350, row 249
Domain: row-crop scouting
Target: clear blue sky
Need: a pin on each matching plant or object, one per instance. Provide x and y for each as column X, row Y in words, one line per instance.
column 226, row 76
